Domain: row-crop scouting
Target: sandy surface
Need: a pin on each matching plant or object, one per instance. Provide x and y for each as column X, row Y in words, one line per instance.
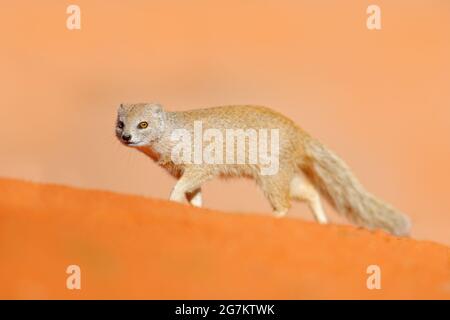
column 133, row 247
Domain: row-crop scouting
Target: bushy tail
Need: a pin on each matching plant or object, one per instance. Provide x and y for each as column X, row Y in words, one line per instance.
column 332, row 177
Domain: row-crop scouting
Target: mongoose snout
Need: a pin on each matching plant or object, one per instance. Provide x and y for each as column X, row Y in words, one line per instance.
column 126, row 137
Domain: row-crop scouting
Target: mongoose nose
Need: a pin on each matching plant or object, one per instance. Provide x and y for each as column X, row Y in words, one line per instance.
column 126, row 137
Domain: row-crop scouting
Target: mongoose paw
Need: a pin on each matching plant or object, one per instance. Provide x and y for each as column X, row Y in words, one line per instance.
column 280, row 213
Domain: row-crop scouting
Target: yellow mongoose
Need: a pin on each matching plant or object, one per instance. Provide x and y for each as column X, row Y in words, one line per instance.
column 303, row 166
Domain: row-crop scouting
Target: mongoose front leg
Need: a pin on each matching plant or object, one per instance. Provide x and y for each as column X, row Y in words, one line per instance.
column 189, row 183
column 302, row 189
column 195, row 198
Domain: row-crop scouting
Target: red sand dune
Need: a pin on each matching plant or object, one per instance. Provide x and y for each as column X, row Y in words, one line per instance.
column 133, row 247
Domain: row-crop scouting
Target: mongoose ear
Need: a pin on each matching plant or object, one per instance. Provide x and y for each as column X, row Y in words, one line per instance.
column 158, row 113
column 156, row 108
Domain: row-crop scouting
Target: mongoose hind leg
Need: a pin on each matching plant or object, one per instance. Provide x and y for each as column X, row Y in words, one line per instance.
column 276, row 190
column 301, row 189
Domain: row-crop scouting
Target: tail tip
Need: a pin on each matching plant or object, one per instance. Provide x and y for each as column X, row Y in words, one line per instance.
column 403, row 228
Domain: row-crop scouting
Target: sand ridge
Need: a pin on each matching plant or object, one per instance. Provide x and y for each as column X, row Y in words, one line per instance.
column 135, row 247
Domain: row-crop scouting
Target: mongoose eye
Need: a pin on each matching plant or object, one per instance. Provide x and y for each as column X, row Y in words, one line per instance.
column 120, row 125
column 143, row 125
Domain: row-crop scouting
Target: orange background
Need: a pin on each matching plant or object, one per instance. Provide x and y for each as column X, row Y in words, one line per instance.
column 380, row 99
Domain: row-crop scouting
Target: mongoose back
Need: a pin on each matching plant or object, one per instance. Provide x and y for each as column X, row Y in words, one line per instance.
column 304, row 168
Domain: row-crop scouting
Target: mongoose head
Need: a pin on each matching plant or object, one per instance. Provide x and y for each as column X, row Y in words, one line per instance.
column 140, row 124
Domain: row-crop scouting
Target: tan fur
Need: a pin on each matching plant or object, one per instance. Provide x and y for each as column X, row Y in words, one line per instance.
column 306, row 167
